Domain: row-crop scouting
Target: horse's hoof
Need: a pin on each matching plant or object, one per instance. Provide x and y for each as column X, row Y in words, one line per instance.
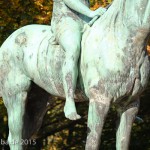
column 73, row 116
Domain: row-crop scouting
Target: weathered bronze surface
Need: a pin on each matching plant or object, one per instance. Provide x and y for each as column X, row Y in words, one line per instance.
column 114, row 68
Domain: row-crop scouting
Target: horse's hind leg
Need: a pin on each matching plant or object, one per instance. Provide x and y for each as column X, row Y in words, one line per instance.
column 98, row 109
column 127, row 116
column 15, row 87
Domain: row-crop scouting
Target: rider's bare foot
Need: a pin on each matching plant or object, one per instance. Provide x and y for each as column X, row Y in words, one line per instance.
column 73, row 116
column 70, row 111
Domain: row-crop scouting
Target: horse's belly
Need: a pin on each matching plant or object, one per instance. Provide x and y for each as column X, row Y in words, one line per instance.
column 52, row 87
column 47, row 70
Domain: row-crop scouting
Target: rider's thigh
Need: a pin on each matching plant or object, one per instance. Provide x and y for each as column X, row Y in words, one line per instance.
column 70, row 37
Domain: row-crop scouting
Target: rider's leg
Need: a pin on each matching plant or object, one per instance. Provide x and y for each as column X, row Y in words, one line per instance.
column 70, row 41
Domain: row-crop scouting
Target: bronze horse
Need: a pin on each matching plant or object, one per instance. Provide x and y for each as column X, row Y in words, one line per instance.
column 114, row 68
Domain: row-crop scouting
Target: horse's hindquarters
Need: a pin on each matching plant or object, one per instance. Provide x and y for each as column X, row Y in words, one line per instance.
column 35, row 54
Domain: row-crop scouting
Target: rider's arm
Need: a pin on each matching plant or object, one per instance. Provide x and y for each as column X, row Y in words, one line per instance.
column 79, row 7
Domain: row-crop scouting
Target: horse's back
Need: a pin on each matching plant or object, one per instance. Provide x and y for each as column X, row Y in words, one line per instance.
column 28, row 33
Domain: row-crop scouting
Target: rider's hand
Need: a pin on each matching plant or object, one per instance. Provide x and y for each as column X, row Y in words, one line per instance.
column 98, row 12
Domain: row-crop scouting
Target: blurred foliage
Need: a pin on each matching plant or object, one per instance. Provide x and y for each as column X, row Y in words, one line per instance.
column 17, row 13
column 58, row 133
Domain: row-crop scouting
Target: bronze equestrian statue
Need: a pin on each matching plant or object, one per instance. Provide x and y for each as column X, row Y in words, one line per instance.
column 114, row 69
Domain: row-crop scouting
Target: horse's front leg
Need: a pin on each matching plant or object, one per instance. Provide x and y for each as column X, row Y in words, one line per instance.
column 127, row 117
column 98, row 109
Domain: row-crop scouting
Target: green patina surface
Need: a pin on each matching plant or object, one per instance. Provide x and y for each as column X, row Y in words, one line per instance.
column 114, row 65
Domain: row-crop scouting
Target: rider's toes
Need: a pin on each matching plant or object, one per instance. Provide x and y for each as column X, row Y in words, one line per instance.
column 73, row 116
